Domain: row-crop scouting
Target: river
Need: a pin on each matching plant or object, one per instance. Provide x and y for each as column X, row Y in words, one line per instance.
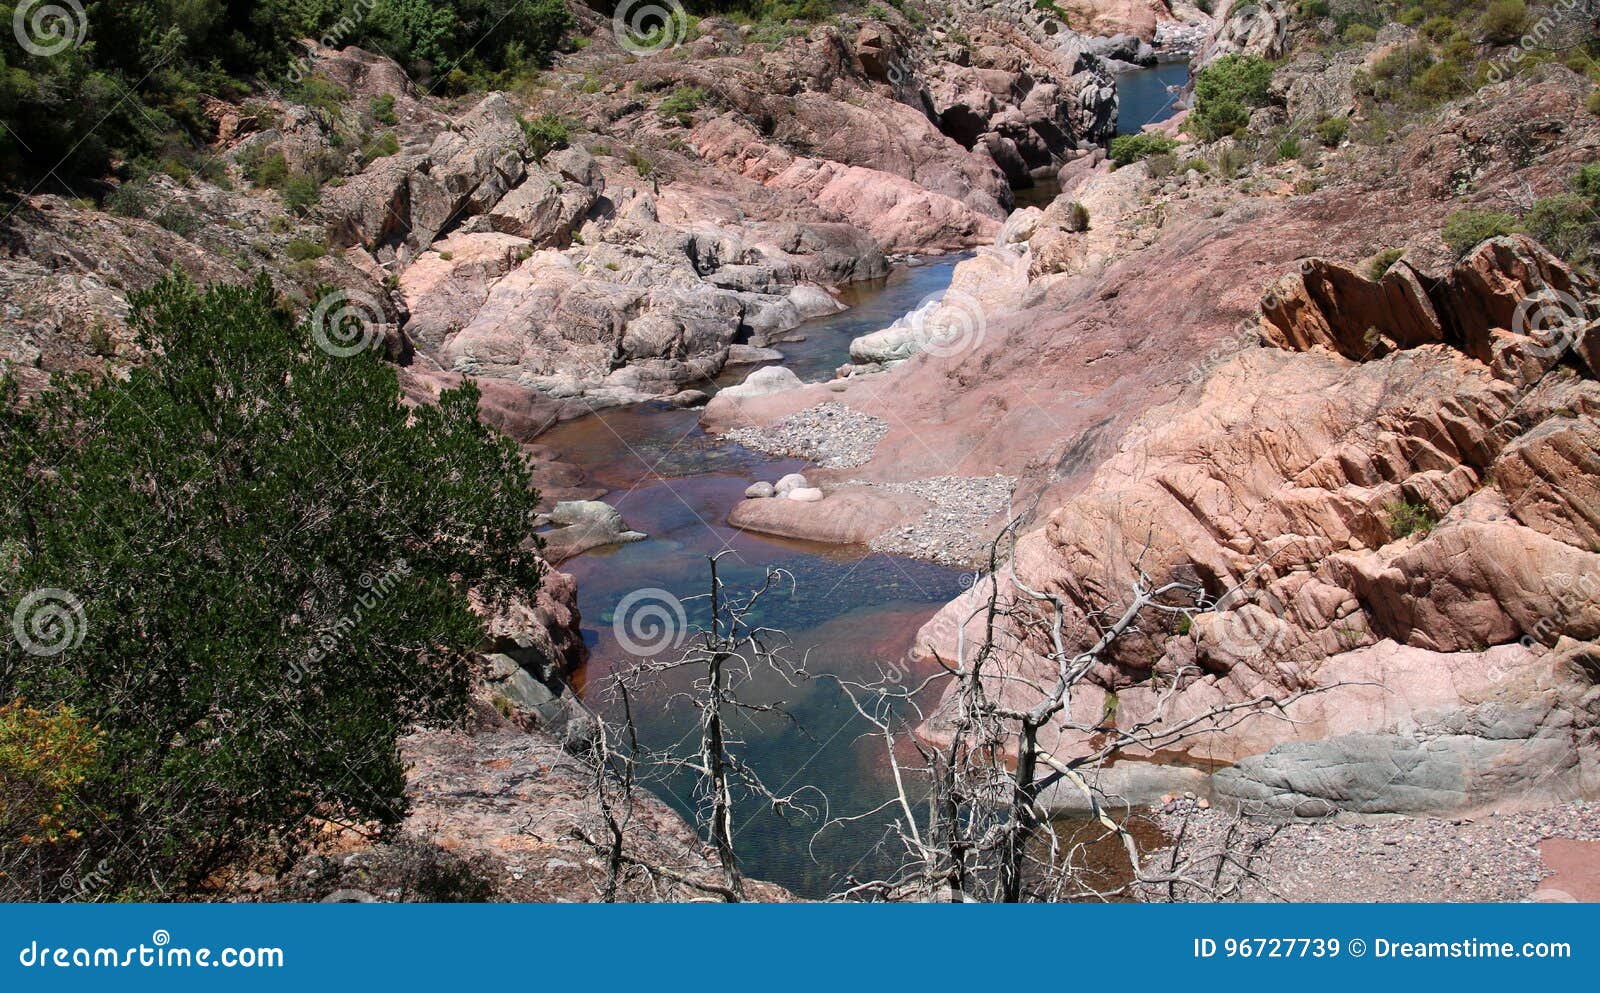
column 853, row 611
column 1145, row 96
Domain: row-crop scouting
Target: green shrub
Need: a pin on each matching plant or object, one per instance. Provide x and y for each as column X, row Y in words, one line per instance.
column 683, row 101
column 1407, row 517
column 178, row 219
column 265, row 167
column 250, row 640
column 1359, row 34
column 1504, row 22
column 546, row 133
column 1564, row 223
column 131, row 199
column 305, row 250
column 1382, row 262
column 1225, row 93
column 1464, row 230
column 1287, row 148
column 381, row 146
column 1232, row 161
column 639, row 161
column 1437, row 28
column 1333, row 131
column 1392, row 75
column 382, row 109
column 1312, row 10
column 301, row 193
column 1586, row 182
column 1130, row 148
column 1440, row 81
column 1594, row 102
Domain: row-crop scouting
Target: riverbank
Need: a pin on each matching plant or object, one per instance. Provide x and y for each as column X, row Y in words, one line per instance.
column 1542, row 855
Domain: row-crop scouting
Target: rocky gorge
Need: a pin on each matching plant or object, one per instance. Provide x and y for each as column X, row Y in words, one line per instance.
column 1188, row 367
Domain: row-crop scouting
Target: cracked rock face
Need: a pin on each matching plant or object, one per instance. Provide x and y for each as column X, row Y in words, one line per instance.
column 1369, row 496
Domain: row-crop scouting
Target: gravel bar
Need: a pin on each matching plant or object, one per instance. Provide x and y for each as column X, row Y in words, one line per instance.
column 953, row 531
column 829, row 435
column 1465, row 859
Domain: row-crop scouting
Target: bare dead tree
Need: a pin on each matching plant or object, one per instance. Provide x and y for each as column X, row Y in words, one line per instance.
column 723, row 659
column 985, row 835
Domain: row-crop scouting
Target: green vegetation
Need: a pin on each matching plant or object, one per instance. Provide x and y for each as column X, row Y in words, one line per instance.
column 382, row 109
column 133, row 90
column 1464, row 230
column 381, row 146
column 1130, row 148
column 1333, row 131
column 1077, row 217
column 259, row 583
column 546, row 133
column 682, row 103
column 305, row 250
column 1407, row 517
column 1383, row 262
column 1504, row 21
column 1226, row 92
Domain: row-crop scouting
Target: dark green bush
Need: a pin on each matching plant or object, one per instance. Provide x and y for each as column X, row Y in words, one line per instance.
column 1225, row 93
column 1130, row 148
column 300, row 193
column 268, row 571
column 1504, row 21
column 1333, row 131
column 546, row 133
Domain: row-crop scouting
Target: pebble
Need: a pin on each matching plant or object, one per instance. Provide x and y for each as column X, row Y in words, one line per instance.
column 953, row 531
column 830, row 435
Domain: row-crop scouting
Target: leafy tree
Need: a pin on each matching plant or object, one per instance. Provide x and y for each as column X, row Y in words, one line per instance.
column 260, row 558
column 1225, row 93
